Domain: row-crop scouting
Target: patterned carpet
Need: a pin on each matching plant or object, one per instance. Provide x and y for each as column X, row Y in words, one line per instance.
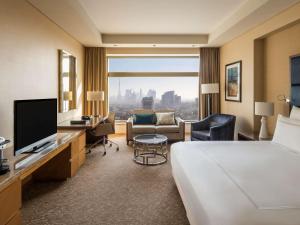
column 107, row 190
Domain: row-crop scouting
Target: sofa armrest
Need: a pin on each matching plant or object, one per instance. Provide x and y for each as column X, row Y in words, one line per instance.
column 129, row 121
column 180, row 122
column 129, row 125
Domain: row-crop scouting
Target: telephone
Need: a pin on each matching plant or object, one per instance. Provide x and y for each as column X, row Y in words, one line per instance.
column 3, row 141
column 85, row 117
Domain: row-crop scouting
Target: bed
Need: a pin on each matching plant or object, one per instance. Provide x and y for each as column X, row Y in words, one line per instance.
column 240, row 183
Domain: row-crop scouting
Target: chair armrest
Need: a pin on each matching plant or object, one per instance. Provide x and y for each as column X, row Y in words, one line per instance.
column 102, row 130
column 222, row 132
column 200, row 125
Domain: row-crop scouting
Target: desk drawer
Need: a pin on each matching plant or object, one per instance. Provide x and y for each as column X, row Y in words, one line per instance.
column 16, row 220
column 10, row 197
column 82, row 157
column 81, row 140
column 74, row 165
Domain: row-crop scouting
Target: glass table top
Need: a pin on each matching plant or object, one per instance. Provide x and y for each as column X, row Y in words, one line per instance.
column 150, row 138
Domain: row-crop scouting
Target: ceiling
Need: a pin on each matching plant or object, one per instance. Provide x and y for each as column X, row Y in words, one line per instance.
column 158, row 16
column 158, row 23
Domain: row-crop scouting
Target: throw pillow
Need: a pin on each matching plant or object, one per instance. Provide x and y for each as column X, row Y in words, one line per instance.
column 165, row 118
column 144, row 119
column 295, row 113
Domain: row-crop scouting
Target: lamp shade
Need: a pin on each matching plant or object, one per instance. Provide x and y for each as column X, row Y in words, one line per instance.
column 210, row 88
column 95, row 96
column 68, row 95
column 264, row 108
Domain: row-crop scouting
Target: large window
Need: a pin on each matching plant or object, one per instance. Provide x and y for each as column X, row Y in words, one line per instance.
column 154, row 83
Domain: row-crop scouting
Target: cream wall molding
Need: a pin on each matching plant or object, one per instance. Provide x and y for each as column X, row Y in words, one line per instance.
column 74, row 17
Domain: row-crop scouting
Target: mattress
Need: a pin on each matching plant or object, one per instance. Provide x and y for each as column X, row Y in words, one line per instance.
column 238, row 183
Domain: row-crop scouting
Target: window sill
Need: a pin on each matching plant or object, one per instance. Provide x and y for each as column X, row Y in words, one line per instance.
column 122, row 122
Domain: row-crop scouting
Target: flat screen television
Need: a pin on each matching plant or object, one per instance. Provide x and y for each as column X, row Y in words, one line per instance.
column 35, row 124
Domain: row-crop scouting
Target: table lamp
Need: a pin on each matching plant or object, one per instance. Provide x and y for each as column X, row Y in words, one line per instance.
column 68, row 96
column 95, row 96
column 209, row 89
column 264, row 109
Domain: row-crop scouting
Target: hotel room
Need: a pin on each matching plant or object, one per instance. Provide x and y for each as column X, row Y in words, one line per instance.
column 138, row 112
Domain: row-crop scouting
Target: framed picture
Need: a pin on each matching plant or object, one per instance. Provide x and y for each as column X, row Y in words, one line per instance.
column 233, row 80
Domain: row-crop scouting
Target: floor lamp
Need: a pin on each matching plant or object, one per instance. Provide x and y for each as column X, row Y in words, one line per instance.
column 95, row 97
column 208, row 90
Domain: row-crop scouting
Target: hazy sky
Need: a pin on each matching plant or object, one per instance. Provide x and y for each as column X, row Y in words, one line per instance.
column 186, row 87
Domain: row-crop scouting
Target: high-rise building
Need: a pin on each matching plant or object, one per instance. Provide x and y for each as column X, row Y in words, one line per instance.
column 167, row 99
column 119, row 90
column 170, row 99
column 177, row 100
column 147, row 102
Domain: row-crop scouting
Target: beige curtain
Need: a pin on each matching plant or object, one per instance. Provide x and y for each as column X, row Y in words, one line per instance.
column 72, row 81
column 95, row 78
column 209, row 73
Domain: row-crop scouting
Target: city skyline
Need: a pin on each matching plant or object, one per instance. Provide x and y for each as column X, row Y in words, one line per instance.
column 186, row 87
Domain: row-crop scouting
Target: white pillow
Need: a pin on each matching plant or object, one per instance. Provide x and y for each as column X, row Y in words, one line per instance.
column 287, row 133
column 295, row 113
column 165, row 118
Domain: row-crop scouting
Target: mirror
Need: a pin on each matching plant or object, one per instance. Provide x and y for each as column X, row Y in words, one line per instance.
column 67, row 82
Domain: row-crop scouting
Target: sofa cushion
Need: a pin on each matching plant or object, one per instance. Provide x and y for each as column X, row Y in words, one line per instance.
column 165, row 118
column 167, row 129
column 143, row 129
column 201, row 135
column 144, row 119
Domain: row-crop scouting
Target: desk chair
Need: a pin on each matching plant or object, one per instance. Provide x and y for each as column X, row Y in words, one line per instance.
column 101, row 132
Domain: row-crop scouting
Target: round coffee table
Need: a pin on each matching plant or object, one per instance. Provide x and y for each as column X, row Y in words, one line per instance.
column 150, row 149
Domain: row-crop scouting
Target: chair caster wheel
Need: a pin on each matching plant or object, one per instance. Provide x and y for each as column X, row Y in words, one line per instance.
column 118, row 149
column 104, row 153
column 110, row 145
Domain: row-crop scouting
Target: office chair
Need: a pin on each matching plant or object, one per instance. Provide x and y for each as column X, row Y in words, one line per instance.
column 101, row 132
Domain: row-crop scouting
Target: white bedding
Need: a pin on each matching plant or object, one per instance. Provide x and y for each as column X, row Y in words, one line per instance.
column 238, row 183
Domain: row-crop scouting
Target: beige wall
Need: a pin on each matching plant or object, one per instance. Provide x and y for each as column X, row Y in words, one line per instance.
column 29, row 44
column 278, row 48
column 243, row 48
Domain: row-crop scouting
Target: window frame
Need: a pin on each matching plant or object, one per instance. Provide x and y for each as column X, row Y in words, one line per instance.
column 152, row 74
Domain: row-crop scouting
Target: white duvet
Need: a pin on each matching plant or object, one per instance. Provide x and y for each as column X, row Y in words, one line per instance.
column 238, row 183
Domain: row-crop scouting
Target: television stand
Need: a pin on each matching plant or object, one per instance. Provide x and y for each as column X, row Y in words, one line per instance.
column 56, row 163
column 40, row 148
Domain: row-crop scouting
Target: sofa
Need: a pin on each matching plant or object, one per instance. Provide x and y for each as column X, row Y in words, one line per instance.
column 217, row 127
column 174, row 132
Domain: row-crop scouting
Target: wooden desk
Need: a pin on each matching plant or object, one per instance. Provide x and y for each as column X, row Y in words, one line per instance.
column 58, row 163
column 90, row 124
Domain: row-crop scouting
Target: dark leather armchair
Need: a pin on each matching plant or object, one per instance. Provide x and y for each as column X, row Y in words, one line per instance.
column 216, row 127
